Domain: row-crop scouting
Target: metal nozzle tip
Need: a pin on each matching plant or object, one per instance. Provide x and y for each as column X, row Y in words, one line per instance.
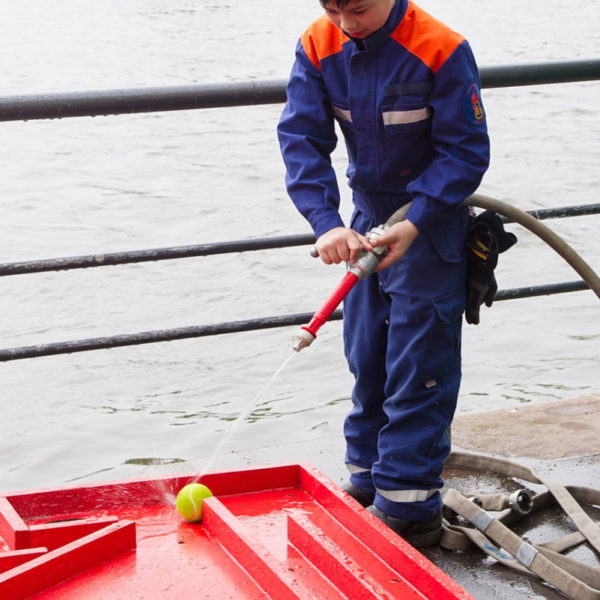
column 303, row 339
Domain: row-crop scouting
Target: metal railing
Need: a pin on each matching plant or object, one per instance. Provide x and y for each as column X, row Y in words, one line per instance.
column 77, row 104
column 190, row 251
column 172, row 98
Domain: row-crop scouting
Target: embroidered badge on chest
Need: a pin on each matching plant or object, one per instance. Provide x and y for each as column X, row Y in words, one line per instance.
column 473, row 106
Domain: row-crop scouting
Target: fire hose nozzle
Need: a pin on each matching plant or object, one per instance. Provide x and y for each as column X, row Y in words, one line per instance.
column 367, row 261
column 521, row 501
column 303, row 339
column 362, row 268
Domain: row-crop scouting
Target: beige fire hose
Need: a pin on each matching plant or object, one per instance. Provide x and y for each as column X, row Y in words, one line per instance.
column 543, row 232
column 534, row 225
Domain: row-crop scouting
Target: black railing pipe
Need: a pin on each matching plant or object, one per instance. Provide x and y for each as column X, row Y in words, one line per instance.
column 160, row 99
column 153, row 254
column 532, row 291
column 169, row 335
column 559, row 212
column 540, row 73
column 139, row 100
column 156, row 254
column 150, row 337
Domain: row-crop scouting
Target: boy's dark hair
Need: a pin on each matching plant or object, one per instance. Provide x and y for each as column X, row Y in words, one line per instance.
column 338, row 3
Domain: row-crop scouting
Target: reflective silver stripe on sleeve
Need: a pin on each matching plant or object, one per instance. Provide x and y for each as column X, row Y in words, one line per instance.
column 354, row 469
column 482, row 520
column 400, row 117
column 341, row 113
column 406, row 495
column 526, row 554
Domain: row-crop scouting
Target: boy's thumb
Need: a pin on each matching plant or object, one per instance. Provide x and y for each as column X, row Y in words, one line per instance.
column 380, row 240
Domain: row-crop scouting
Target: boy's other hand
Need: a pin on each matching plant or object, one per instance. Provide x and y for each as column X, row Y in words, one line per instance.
column 398, row 238
column 340, row 244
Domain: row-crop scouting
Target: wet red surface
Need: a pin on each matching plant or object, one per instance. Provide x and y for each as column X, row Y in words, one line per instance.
column 269, row 532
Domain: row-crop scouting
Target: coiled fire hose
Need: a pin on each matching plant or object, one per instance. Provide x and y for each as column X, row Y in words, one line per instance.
column 368, row 261
column 482, row 521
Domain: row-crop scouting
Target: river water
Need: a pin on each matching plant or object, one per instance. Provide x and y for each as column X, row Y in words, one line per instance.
column 82, row 186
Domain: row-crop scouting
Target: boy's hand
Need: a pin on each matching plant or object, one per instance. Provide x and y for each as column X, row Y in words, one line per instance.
column 340, row 244
column 398, row 238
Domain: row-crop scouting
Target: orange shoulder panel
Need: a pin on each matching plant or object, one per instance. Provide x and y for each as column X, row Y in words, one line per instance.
column 426, row 37
column 322, row 39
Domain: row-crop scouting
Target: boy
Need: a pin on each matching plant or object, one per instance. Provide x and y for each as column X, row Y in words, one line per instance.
column 404, row 90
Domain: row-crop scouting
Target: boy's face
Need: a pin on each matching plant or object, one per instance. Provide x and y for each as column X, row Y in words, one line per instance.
column 359, row 18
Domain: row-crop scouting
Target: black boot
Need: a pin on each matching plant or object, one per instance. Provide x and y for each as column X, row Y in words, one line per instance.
column 363, row 497
column 417, row 533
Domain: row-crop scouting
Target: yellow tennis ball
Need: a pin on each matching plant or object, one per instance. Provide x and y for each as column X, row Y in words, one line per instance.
column 190, row 499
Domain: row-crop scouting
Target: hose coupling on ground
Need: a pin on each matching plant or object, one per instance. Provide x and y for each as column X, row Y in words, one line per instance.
column 521, row 501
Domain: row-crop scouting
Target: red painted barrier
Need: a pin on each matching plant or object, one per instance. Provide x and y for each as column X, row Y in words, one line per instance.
column 281, row 532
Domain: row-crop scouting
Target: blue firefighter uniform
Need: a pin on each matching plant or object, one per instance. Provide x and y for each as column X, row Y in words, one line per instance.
column 408, row 104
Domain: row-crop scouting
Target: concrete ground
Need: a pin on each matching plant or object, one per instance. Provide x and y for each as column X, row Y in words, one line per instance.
column 552, row 430
column 558, row 440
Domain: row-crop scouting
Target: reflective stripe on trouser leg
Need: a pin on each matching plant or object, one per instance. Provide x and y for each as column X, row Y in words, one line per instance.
column 407, row 495
column 423, row 297
column 353, row 469
column 361, row 478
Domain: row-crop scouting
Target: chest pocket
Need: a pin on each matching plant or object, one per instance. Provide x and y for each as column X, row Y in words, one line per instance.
column 405, row 106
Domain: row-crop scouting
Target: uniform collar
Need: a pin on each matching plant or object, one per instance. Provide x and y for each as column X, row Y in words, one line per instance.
column 377, row 39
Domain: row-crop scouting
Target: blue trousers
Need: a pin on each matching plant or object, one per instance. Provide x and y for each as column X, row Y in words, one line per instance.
column 402, row 339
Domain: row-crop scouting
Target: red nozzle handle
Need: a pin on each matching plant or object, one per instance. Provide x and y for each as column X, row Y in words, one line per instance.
column 345, row 285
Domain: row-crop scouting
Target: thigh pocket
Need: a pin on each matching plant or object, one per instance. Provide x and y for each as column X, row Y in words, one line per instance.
column 441, row 345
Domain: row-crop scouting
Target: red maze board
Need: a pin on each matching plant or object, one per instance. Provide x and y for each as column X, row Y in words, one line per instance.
column 280, row 532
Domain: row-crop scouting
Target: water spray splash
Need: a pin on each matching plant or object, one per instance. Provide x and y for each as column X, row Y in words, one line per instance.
column 241, row 418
